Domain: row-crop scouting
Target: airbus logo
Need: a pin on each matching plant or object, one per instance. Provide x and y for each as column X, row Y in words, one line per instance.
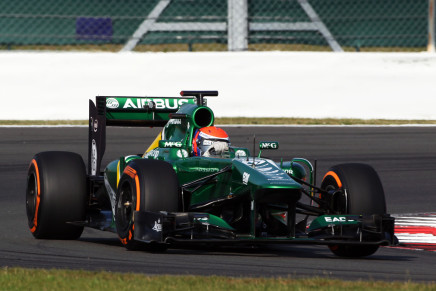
column 164, row 103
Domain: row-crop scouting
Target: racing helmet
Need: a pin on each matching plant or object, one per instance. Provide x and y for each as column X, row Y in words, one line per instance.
column 205, row 137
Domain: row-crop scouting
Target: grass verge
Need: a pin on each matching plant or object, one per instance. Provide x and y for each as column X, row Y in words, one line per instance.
column 250, row 121
column 41, row 279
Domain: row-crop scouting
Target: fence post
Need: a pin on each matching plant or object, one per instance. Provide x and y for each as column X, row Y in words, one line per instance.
column 237, row 25
column 431, row 26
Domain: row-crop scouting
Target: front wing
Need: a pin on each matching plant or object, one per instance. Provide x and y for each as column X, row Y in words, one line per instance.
column 183, row 228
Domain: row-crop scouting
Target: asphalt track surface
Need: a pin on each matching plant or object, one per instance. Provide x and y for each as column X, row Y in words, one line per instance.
column 405, row 158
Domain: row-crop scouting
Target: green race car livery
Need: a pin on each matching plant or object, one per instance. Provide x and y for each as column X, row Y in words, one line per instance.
column 192, row 186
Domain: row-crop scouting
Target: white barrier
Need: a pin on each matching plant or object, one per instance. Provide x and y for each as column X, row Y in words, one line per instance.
column 45, row 85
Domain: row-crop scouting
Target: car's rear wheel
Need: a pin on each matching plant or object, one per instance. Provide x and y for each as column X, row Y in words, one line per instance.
column 364, row 195
column 145, row 185
column 56, row 195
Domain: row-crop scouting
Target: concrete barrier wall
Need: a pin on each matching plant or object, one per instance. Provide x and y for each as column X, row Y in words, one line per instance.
column 46, row 85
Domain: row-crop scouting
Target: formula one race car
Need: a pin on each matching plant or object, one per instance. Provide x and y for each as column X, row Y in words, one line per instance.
column 192, row 187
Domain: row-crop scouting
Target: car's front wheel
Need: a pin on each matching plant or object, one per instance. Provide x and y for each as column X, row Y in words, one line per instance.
column 145, row 185
column 364, row 195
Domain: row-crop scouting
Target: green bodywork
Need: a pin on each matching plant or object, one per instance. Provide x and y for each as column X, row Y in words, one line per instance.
column 252, row 182
column 234, row 196
column 227, row 196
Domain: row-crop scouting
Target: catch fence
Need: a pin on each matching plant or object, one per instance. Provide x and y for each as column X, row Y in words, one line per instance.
column 218, row 25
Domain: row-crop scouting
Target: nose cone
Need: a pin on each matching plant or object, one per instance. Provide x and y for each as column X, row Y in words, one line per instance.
column 264, row 171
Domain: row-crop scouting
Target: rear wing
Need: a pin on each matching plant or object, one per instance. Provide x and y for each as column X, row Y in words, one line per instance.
column 138, row 111
column 131, row 111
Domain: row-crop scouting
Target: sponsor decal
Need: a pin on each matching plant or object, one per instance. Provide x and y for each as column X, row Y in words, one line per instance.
column 245, row 178
column 161, row 103
column 265, row 145
column 240, row 153
column 172, row 144
column 336, row 219
column 182, row 153
column 157, row 226
column 112, row 103
column 93, row 158
column 154, row 154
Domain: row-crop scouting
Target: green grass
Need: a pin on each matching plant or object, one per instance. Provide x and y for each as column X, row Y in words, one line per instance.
column 41, row 279
column 250, row 121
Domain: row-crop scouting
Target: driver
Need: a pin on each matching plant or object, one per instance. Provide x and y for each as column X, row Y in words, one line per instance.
column 210, row 141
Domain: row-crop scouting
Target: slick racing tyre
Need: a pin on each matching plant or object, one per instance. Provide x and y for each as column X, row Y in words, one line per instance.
column 364, row 195
column 145, row 185
column 56, row 195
